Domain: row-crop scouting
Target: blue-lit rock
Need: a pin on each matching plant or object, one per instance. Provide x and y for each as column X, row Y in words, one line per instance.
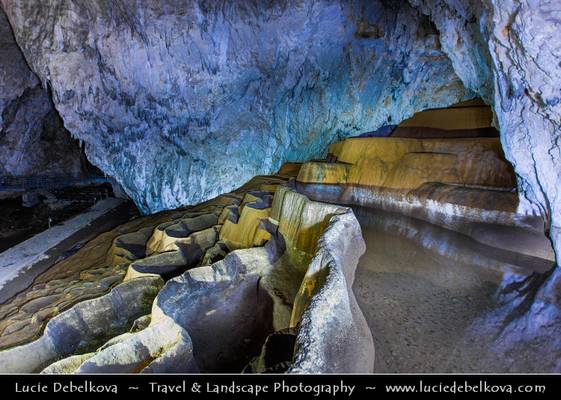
column 32, row 138
column 181, row 101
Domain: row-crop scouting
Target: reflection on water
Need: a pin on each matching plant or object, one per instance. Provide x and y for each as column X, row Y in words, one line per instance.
column 421, row 286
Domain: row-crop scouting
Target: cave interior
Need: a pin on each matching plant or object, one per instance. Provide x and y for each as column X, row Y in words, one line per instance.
column 280, row 187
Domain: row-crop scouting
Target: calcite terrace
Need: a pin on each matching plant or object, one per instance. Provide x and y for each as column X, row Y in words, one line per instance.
column 462, row 184
column 252, row 266
column 508, row 52
column 445, row 166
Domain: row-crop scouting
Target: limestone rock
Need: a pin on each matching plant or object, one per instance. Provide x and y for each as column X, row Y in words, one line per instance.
column 508, row 53
column 333, row 335
column 173, row 100
column 106, row 260
column 403, row 163
column 91, row 272
column 246, row 231
column 463, row 184
column 310, row 257
column 67, row 365
column 163, row 347
column 467, row 115
column 167, row 235
column 171, row 263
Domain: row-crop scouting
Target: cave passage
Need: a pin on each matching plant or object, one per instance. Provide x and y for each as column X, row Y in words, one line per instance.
column 425, row 288
column 439, row 211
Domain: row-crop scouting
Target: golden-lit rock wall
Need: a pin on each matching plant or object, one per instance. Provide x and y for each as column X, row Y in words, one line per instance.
column 403, row 163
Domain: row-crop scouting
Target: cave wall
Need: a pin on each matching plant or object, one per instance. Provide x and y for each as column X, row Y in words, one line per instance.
column 183, row 100
column 33, row 140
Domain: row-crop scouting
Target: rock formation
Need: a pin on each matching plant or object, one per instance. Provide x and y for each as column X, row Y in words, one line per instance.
column 472, row 118
column 508, row 54
column 174, row 99
column 252, row 266
column 82, row 326
column 32, row 136
column 462, row 184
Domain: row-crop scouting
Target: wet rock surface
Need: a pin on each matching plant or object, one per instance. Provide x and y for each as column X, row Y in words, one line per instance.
column 436, row 303
column 418, row 303
column 508, row 53
column 88, row 323
column 463, row 184
column 480, row 259
column 264, row 265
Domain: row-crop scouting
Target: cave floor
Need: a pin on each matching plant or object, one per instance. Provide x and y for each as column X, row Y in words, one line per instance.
column 424, row 306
